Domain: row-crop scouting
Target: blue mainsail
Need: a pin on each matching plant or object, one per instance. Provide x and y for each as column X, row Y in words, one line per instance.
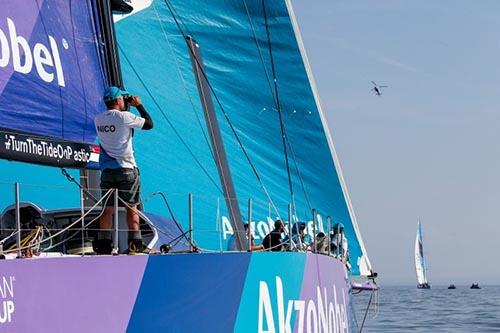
column 239, row 43
column 51, row 75
column 51, row 81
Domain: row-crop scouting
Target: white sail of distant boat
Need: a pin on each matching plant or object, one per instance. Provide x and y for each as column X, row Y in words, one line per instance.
column 420, row 261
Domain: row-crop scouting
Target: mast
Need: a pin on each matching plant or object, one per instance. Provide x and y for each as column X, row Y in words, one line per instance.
column 216, row 142
column 106, row 9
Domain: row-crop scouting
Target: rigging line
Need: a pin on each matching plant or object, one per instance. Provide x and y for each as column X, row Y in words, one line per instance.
column 69, row 226
column 163, row 196
column 183, row 233
column 366, row 312
column 260, row 51
column 273, row 95
column 174, row 13
column 184, row 85
column 168, row 120
column 306, row 195
column 64, row 240
column 277, row 100
column 264, row 189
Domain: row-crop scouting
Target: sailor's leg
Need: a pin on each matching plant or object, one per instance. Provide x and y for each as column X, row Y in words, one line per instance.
column 136, row 244
column 105, row 222
column 133, row 186
column 133, row 218
column 104, row 243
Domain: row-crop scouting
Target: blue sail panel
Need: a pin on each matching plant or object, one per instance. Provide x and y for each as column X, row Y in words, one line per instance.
column 236, row 48
column 420, row 266
column 50, row 69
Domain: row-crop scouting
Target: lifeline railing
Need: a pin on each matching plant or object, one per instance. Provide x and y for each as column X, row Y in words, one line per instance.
column 292, row 244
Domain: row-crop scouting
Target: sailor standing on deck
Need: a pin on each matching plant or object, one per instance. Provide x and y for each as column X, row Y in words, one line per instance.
column 115, row 129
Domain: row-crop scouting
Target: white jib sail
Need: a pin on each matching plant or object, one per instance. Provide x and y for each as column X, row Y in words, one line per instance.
column 419, row 257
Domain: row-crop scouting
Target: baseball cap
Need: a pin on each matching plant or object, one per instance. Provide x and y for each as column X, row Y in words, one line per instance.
column 113, row 93
column 338, row 226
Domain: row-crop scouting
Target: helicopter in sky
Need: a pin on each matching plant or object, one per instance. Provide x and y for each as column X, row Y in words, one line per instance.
column 377, row 89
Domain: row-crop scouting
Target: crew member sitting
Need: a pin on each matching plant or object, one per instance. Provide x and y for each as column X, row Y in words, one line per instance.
column 232, row 244
column 272, row 241
column 321, row 243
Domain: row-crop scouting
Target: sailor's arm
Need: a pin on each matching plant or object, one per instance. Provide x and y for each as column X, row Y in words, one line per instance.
column 148, row 123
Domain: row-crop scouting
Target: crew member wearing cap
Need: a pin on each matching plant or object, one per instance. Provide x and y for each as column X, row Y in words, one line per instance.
column 338, row 242
column 115, row 129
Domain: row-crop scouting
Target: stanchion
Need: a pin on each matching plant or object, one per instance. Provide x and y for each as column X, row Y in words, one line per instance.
column 249, row 231
column 116, row 248
column 290, row 227
column 314, row 230
column 190, row 214
column 329, row 223
column 82, row 213
column 18, row 220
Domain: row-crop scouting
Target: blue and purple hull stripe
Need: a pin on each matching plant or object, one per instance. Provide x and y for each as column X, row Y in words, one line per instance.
column 231, row 292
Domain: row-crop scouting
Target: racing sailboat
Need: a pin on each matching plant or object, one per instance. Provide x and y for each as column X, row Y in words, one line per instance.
column 239, row 137
column 420, row 266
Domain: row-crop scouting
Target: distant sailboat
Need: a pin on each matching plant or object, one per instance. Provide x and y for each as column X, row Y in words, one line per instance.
column 420, row 262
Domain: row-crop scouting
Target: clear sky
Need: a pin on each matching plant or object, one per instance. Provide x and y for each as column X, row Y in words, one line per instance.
column 429, row 148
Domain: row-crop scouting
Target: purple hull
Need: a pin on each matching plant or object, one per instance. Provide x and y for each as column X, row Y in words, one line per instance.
column 175, row 293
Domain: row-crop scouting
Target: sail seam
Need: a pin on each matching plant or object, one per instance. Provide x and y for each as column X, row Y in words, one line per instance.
column 259, row 50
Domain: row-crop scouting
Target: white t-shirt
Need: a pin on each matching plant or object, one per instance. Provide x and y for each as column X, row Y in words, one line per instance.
column 115, row 131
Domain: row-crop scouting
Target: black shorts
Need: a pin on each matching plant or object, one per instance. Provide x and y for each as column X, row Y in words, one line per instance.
column 127, row 181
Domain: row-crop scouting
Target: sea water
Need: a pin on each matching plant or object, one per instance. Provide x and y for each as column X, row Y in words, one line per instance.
column 408, row 309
